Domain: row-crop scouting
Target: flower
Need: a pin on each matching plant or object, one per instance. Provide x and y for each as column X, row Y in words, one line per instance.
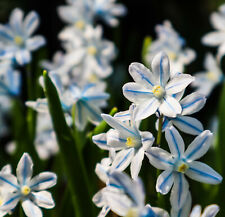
column 125, row 138
column 17, row 38
column 152, row 91
column 207, row 80
column 126, row 197
column 190, row 104
column 217, row 37
column 172, row 44
column 181, row 162
column 31, row 191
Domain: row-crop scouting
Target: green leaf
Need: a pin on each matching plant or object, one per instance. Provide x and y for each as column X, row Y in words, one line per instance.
column 72, row 160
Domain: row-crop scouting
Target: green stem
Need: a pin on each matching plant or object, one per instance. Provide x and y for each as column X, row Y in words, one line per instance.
column 159, row 135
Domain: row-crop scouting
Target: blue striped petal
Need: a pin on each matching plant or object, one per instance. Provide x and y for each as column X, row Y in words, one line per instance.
column 164, row 182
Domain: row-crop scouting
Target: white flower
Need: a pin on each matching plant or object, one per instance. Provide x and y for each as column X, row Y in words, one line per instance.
column 190, row 104
column 125, row 138
column 207, row 80
column 217, row 37
column 170, row 42
column 126, row 197
column 45, row 141
column 152, row 90
column 181, row 162
column 30, row 191
column 17, row 39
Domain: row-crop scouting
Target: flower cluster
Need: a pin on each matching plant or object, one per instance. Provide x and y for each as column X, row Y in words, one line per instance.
column 156, row 91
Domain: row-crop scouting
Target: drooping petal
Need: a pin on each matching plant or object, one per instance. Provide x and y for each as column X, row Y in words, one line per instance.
column 211, row 211
column 40, row 105
column 24, row 169
column 188, row 125
column 30, row 209
column 170, row 107
column 146, row 108
column 175, row 141
column 203, row 173
column 43, row 181
column 136, row 163
column 141, row 74
column 178, row 83
column 100, row 141
column 199, row 146
column 179, row 191
column 192, row 103
column 160, row 158
column 123, row 159
column 164, row 182
column 99, row 199
column 161, row 68
column 35, row 42
column 31, row 22
column 136, row 93
column 43, row 199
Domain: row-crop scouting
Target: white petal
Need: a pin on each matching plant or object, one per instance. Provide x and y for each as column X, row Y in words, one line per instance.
column 9, row 181
column 10, row 202
column 35, row 42
column 146, row 109
column 199, row 146
column 43, row 181
column 123, row 159
column 147, row 139
column 43, row 199
column 115, row 139
column 30, row 209
column 196, row 211
column 24, row 169
column 40, row 105
column 164, row 182
column 16, row 19
column 23, row 57
column 160, row 158
column 6, row 169
column 178, row 83
column 175, row 141
column 136, row 163
column 179, row 191
column 141, row 74
column 211, row 211
column 31, row 22
column 192, row 103
column 161, row 68
column 217, row 21
column 80, row 117
column 99, row 199
column 104, row 212
column 100, row 141
column 203, row 173
column 213, row 38
column 170, row 107
column 188, row 125
column 136, row 93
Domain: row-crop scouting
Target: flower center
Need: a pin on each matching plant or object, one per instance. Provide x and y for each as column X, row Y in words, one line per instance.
column 182, row 167
column 25, row 190
column 212, row 76
column 79, row 24
column 92, row 50
column 172, row 55
column 132, row 212
column 131, row 142
column 158, row 91
column 18, row 40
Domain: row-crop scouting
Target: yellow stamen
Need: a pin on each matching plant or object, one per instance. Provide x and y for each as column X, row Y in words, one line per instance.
column 212, row 76
column 158, row 91
column 172, row 55
column 79, row 24
column 18, row 40
column 25, row 190
column 92, row 50
column 93, row 78
column 131, row 142
column 1, row 202
column 182, row 168
column 132, row 212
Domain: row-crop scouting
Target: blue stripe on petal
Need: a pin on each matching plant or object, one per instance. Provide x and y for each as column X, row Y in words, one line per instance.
column 143, row 77
column 32, row 20
column 92, row 111
column 11, row 200
column 197, row 148
column 42, row 181
column 124, row 159
column 100, row 141
column 161, row 71
column 25, row 169
column 188, row 124
column 165, row 180
column 191, row 103
column 8, row 182
column 136, row 92
column 171, row 107
column 180, row 187
column 161, row 159
column 175, row 143
column 6, row 36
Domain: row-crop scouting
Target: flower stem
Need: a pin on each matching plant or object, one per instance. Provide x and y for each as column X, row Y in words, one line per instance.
column 159, row 135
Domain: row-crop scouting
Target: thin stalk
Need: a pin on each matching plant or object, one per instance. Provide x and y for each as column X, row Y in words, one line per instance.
column 159, row 135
